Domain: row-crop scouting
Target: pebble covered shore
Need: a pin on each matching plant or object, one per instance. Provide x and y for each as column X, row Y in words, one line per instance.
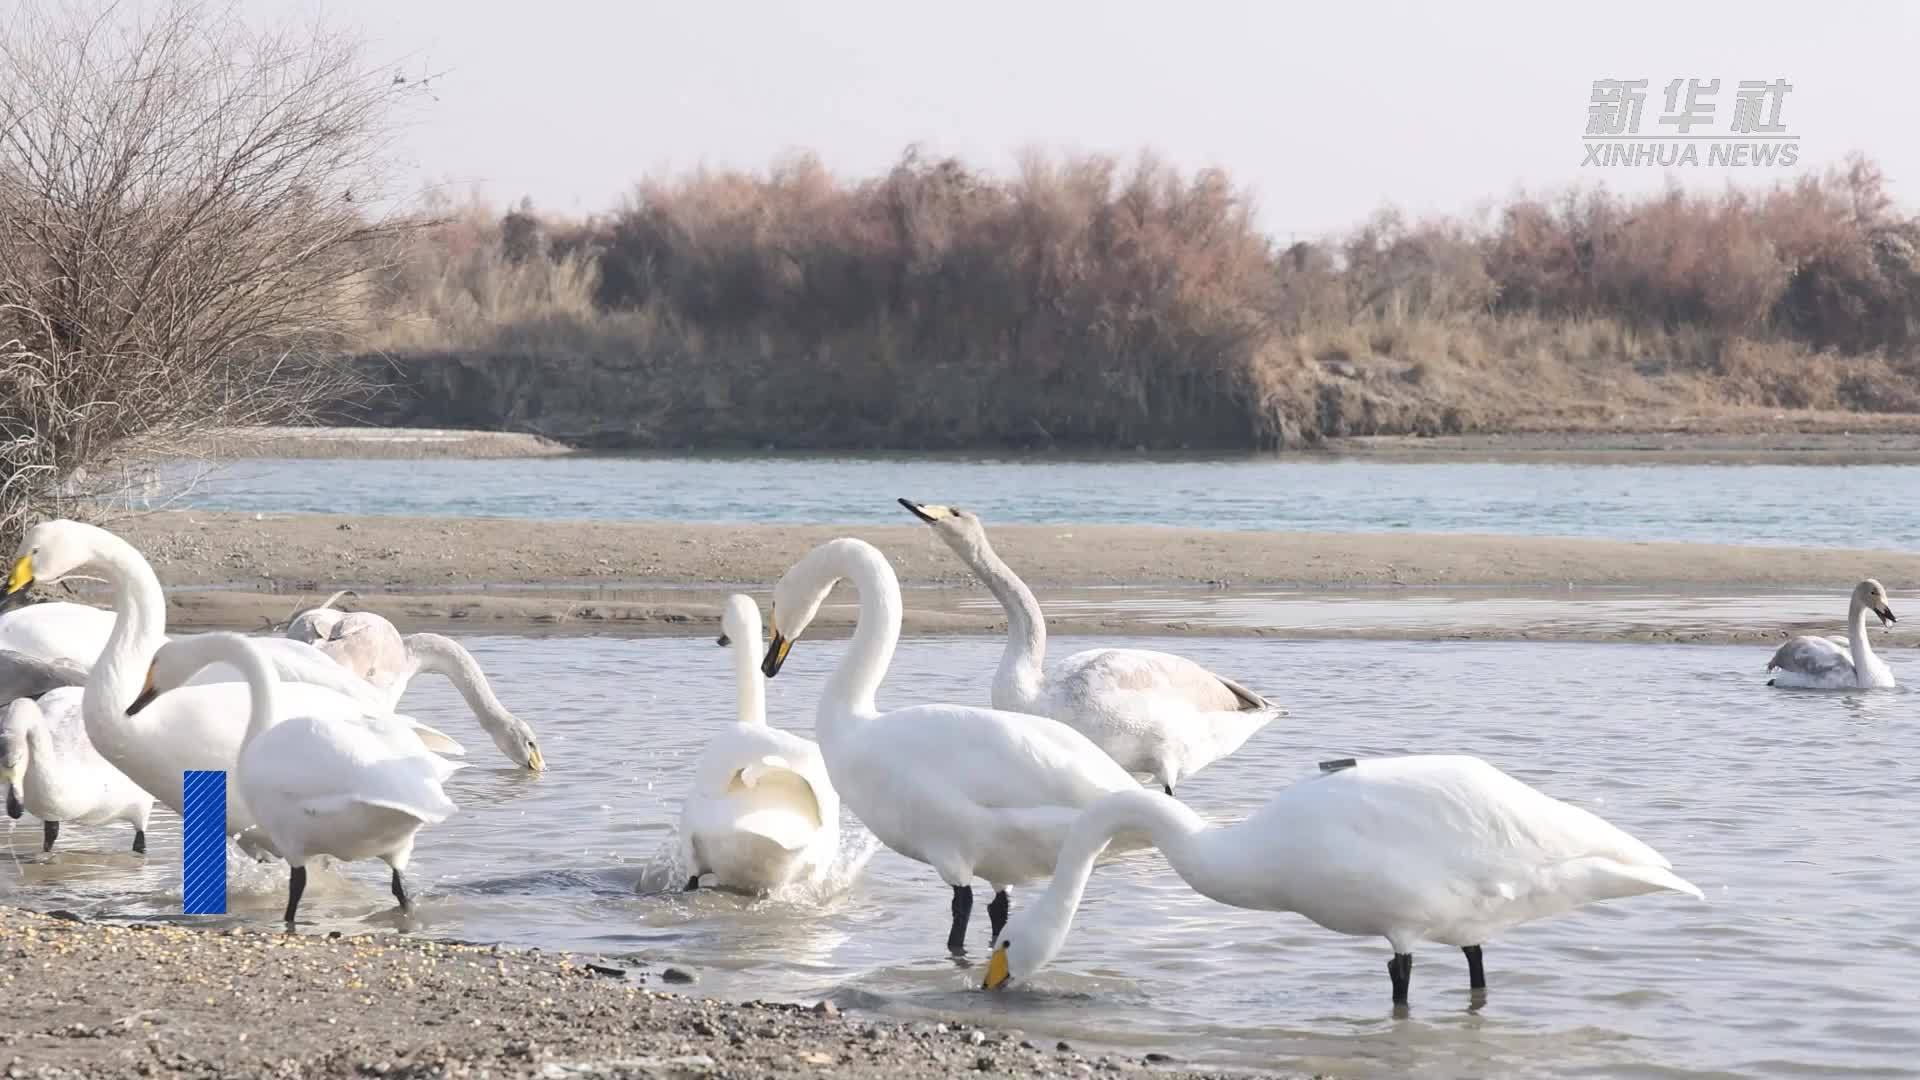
column 100, row 1000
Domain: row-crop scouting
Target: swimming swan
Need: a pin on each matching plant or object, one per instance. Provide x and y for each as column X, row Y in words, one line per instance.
column 194, row 727
column 971, row 792
column 1153, row 712
column 1838, row 663
column 317, row 784
column 1434, row 848
column 368, row 647
column 52, row 772
column 762, row 811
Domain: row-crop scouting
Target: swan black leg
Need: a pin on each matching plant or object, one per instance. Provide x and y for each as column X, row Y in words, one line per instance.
column 1169, row 788
column 962, row 910
column 1476, row 974
column 49, row 832
column 997, row 912
column 400, row 892
column 139, row 841
column 1400, row 970
column 693, row 883
column 296, row 884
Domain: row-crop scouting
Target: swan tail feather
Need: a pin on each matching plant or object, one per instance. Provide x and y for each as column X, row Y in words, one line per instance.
column 1249, row 701
column 436, row 740
column 1600, row 878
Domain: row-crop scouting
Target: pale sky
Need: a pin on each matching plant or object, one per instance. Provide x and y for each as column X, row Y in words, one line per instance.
column 1326, row 112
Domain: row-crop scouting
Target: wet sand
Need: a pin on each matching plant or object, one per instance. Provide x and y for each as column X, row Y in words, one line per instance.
column 245, row 571
column 365, row 442
column 264, row 1003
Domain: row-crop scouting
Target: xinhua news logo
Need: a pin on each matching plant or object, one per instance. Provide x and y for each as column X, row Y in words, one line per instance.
column 1687, row 130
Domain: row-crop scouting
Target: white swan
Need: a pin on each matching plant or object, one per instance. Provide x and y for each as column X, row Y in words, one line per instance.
column 52, row 772
column 1153, row 712
column 762, row 811
column 1433, row 848
column 195, row 727
column 971, row 792
column 68, row 633
column 1838, row 663
column 57, row 630
column 317, row 784
column 368, row 647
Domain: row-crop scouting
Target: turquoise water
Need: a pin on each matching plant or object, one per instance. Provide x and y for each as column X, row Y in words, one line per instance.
column 1793, row 811
column 1838, row 506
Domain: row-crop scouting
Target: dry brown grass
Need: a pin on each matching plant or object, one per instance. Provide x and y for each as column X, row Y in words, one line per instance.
column 1080, row 302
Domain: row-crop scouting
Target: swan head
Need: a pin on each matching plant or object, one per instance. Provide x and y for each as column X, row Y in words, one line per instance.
column 1871, row 595
column 1029, row 941
column 960, row 529
column 515, row 739
column 181, row 659
column 48, row 552
column 800, row 592
column 21, row 716
column 740, row 621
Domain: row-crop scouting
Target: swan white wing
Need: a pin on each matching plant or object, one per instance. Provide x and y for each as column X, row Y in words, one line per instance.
column 369, row 646
column 57, row 630
column 991, row 759
column 297, row 662
column 1095, row 673
column 319, row 765
column 26, row 676
column 1460, row 840
column 1814, row 660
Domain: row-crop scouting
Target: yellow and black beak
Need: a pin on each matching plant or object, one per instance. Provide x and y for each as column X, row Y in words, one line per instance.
column 18, row 582
column 996, row 970
column 535, row 760
column 776, row 654
column 1886, row 614
column 147, row 694
column 724, row 640
column 926, row 513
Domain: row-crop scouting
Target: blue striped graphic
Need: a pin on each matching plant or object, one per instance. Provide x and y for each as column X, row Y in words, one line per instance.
column 203, row 842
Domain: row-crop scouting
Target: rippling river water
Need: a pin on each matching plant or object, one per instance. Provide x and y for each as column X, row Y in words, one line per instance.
column 1749, row 504
column 1793, row 811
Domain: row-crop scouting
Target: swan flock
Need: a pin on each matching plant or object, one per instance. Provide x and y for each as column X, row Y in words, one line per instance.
column 1051, row 770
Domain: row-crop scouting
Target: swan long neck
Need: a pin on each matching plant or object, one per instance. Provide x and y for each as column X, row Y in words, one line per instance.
column 1857, row 638
column 1017, row 684
column 262, row 684
column 442, row 655
column 1177, row 831
column 851, row 690
column 139, row 626
column 750, row 684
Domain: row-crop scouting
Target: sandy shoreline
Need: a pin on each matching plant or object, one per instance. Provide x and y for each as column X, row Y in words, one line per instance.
column 264, row 1003
column 242, row 571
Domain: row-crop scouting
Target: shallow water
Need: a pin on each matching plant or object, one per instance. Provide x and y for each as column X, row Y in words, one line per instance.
column 1748, row 504
column 1792, row 810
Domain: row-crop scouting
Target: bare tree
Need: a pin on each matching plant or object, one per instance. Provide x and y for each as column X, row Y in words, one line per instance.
column 190, row 213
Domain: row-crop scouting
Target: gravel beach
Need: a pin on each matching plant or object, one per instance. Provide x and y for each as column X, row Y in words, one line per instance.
column 243, row 1003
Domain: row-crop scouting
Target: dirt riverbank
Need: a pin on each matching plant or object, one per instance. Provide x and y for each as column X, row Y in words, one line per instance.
column 230, row 570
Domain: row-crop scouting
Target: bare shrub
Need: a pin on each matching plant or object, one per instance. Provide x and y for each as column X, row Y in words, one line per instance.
column 189, row 211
